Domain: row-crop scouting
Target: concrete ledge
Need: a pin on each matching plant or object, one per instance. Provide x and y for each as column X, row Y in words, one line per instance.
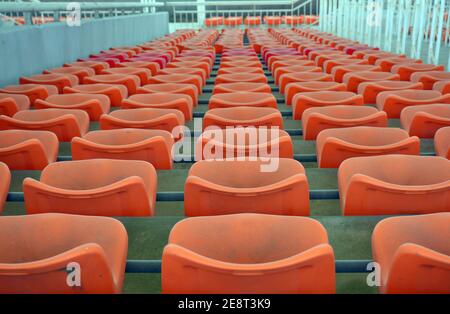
column 28, row 50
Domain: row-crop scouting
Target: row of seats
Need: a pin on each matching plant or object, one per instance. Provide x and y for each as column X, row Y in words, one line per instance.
column 303, row 261
column 233, row 21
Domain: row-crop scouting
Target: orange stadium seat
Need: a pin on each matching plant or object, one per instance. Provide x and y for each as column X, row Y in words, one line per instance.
column 336, row 145
column 201, row 65
column 58, row 80
column 442, row 142
column 235, row 187
column 370, row 90
column 248, row 267
column 386, row 64
column 145, row 118
column 271, row 60
column 5, row 176
column 80, row 72
column 180, row 102
column 10, row 104
column 96, row 187
column 143, row 73
column 131, row 82
column 428, row 79
column 288, row 78
column 97, row 66
column 237, row 99
column 248, row 142
column 178, row 78
column 171, row 88
column 394, row 185
column 65, row 123
column 424, row 120
column 314, row 86
column 240, row 70
column 338, row 72
column 153, row 146
column 240, row 63
column 291, row 62
column 413, row 253
column 303, row 101
column 241, row 77
column 243, row 116
column 317, row 119
column 242, row 87
column 393, row 102
column 329, row 65
column 32, row 91
column 278, row 72
column 28, row 150
column 407, row 70
column 153, row 67
column 94, row 105
column 115, row 93
column 98, row 245
column 442, row 86
column 354, row 79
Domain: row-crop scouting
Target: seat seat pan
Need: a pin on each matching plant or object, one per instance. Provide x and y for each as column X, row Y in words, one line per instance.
column 10, row 104
column 428, row 79
column 354, row 79
column 314, row 86
column 238, row 99
column 243, row 116
column 289, row 78
column 32, row 91
column 97, row 66
column 28, row 150
column 143, row 73
column 5, row 176
column 242, row 87
column 56, row 79
column 424, row 120
column 119, row 188
column 178, row 78
column 338, row 72
column 241, row 77
column 171, row 88
column 370, row 90
column 442, row 142
column 131, row 82
column 115, row 92
column 279, row 71
column 336, row 145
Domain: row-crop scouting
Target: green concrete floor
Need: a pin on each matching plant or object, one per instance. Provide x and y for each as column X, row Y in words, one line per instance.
column 349, row 236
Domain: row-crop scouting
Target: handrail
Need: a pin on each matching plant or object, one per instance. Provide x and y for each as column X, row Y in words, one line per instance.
column 18, row 7
column 231, row 3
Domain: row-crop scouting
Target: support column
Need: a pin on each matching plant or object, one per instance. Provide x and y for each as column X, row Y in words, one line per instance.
column 201, row 12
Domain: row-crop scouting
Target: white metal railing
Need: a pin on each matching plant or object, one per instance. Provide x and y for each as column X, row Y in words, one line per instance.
column 193, row 13
column 417, row 28
column 30, row 10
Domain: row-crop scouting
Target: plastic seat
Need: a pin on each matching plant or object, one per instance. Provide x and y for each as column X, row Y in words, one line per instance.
column 242, row 87
column 233, row 21
column 317, row 119
column 370, row 90
column 303, row 101
column 178, row 79
column 5, row 176
column 413, row 253
column 180, row 102
column 237, row 99
column 146, row 118
column 115, row 93
column 58, row 80
column 80, row 72
column 10, row 104
column 238, row 64
column 336, row 145
column 94, row 105
column 241, row 77
column 329, row 65
column 428, row 79
column 252, row 20
column 97, row 187
column 393, row 102
column 302, row 263
column 28, row 150
column 354, row 79
column 171, row 88
column 291, row 62
column 243, row 116
column 214, row 21
column 442, row 142
column 424, row 120
column 202, row 65
column 65, row 123
column 302, row 87
column 32, row 91
column 143, row 73
column 97, row 66
column 293, row 69
column 405, row 71
column 338, row 72
column 442, row 86
column 271, row 60
column 153, row 146
column 131, row 82
column 190, row 71
column 232, row 187
column 387, row 64
column 394, row 185
column 98, row 245
column 239, row 70
column 243, row 142
column 289, row 78
column 153, row 67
